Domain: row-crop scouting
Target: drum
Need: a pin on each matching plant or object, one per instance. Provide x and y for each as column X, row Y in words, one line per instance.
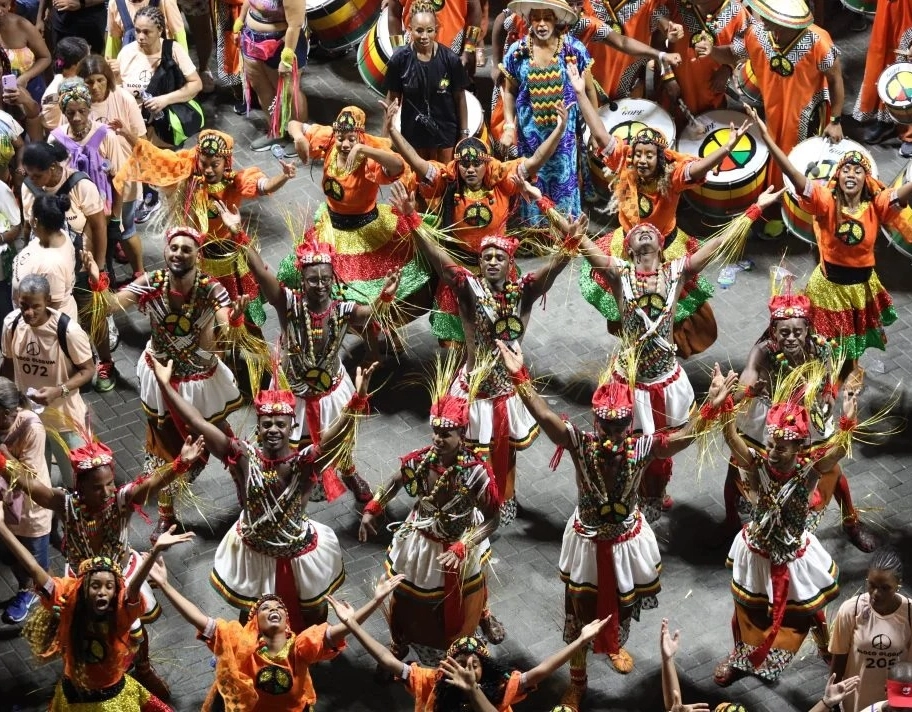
column 895, row 90
column 338, row 25
column 895, row 238
column 862, row 7
column 741, row 174
column 624, row 121
column 744, row 86
column 374, row 54
column 477, row 126
column 818, row 158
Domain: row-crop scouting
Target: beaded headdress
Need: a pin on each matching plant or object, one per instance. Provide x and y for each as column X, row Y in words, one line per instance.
column 265, row 598
column 185, row 231
column 215, row 143
column 450, row 412
column 90, row 456
column 856, row 158
column 612, row 401
column 468, row 645
column 501, row 242
column 651, row 136
column 274, row 402
column 642, row 227
column 472, row 149
column 73, row 89
column 787, row 420
column 313, row 252
column 789, row 306
column 351, row 118
column 99, row 563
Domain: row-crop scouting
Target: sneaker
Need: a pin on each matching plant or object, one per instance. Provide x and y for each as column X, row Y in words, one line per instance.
column 906, row 149
column 105, row 376
column 148, row 207
column 113, row 334
column 208, row 82
column 18, row 609
column 264, row 143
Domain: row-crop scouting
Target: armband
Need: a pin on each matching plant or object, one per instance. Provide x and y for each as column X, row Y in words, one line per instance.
column 709, row 412
column 544, row 203
column 236, row 322
column 358, row 404
column 459, row 549
column 287, row 56
column 521, row 377
column 2, row 461
column 412, row 221
column 397, row 41
column 509, row 127
column 387, row 297
column 374, row 508
column 468, row 48
column 102, row 284
column 753, row 212
column 847, row 425
column 238, row 25
column 471, row 37
column 180, row 466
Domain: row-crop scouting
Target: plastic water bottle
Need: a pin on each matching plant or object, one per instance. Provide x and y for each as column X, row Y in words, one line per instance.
column 727, row 276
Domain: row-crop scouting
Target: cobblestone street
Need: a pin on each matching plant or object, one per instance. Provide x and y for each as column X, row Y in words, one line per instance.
column 566, row 347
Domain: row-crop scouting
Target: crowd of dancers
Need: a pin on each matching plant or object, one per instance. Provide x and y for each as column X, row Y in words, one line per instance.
column 101, row 150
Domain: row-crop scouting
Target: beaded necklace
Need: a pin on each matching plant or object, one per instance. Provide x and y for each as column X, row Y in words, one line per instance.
column 332, row 167
column 281, row 654
column 270, row 467
column 501, row 309
column 81, row 530
column 417, row 480
column 316, row 325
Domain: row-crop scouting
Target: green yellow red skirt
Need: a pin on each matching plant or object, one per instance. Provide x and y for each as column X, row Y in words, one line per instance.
column 854, row 315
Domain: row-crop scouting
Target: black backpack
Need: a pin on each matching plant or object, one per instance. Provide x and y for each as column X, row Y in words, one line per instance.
column 62, row 323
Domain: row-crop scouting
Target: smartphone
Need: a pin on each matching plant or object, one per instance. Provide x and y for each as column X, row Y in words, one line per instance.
column 9, row 82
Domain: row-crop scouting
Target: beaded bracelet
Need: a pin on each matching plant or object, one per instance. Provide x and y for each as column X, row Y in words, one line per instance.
column 387, row 297
column 238, row 25
column 287, row 56
column 236, row 322
column 709, row 412
column 358, row 404
column 412, row 220
column 101, row 284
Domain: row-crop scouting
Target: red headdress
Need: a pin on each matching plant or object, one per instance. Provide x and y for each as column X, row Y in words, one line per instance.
column 613, row 401
column 313, row 252
column 789, row 306
column 501, row 242
column 90, row 456
column 788, row 420
column 647, row 227
column 274, row 402
column 185, row 231
column 450, row 412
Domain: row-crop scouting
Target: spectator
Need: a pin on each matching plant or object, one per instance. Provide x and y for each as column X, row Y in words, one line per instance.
column 69, row 52
column 10, row 221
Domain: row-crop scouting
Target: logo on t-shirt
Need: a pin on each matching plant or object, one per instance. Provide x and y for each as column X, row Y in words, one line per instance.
column 32, row 348
column 881, row 642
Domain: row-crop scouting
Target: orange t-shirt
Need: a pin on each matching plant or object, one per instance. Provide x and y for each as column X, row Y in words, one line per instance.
column 111, row 650
column 244, row 187
column 852, row 244
column 658, row 209
column 695, row 75
column 309, row 647
column 451, row 21
column 421, row 683
column 347, row 193
column 476, row 214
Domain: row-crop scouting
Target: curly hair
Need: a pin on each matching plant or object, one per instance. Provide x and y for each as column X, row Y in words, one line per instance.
column 494, row 677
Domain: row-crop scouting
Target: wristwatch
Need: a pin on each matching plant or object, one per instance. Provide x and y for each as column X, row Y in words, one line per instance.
column 64, row 391
column 836, row 120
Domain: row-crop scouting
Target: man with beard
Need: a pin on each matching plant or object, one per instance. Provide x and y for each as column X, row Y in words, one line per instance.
column 495, row 306
column 787, row 344
column 474, row 194
column 198, row 179
column 185, row 307
column 275, row 545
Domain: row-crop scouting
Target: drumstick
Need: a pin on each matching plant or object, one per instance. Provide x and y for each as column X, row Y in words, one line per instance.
column 813, row 167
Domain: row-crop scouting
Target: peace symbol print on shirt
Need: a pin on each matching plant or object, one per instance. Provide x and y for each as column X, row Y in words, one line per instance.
column 881, row 642
column 741, row 153
column 850, row 231
column 274, row 680
column 478, row 215
column 333, row 189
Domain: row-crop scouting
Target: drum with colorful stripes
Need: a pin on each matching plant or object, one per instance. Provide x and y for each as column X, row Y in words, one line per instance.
column 895, row 238
column 895, row 90
column 862, row 7
column 817, row 158
column 624, row 119
column 740, row 177
column 476, row 124
column 745, row 88
column 337, row 25
column 374, row 54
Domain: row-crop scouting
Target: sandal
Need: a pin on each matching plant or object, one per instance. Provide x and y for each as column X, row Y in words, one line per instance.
column 725, row 674
column 622, row 661
column 492, row 628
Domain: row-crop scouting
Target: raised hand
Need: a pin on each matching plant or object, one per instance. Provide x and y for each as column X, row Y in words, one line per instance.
column 456, row 675
column 231, row 218
column 238, row 308
column 162, row 371
column 363, row 377
column 390, row 109
column 576, row 79
column 735, row 135
column 668, row 642
column 192, row 450
column 590, row 630
column 289, row 169
column 168, row 539
column 401, row 199
column 88, row 264
column 835, row 692
column 352, row 157
column 511, row 355
column 386, row 586
column 158, row 576
column 344, row 611
column 529, row 192
column 755, row 119
column 391, row 284
column 721, row 385
column 768, row 197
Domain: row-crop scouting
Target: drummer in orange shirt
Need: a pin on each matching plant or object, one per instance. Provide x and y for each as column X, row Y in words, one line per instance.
column 473, row 195
column 891, row 32
column 458, row 27
column 702, row 81
column 798, row 71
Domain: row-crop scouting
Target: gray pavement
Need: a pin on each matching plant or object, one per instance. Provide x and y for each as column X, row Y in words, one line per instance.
column 525, row 590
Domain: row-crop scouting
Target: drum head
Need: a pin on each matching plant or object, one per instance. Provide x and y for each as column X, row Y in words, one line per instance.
column 383, row 33
column 475, row 114
column 747, row 158
column 817, row 158
column 895, row 85
column 632, row 115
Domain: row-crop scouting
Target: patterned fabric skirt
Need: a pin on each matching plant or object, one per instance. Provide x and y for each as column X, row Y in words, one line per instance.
column 812, row 584
column 695, row 327
column 855, row 315
column 131, row 697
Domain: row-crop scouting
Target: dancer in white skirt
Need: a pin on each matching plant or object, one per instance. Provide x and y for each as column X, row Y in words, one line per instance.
column 495, row 305
column 184, row 307
column 647, row 288
column 442, row 546
column 314, row 324
column 275, row 547
column 782, row 578
column 96, row 523
column 609, row 559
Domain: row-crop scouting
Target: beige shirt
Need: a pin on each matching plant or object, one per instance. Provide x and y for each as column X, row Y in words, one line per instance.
column 39, row 362
column 874, row 643
column 84, row 200
column 57, row 264
column 28, row 447
column 136, row 68
column 121, row 105
column 173, row 20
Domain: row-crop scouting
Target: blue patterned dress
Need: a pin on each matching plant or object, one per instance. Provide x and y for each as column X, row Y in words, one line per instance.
column 541, row 90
